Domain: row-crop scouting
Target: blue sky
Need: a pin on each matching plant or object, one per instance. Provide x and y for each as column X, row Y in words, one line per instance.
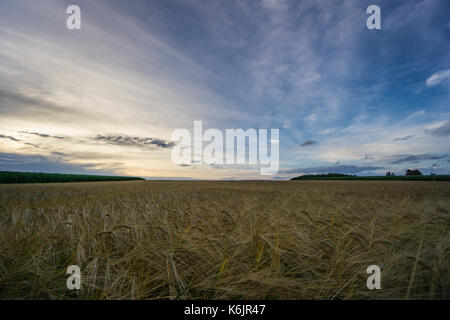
column 346, row 99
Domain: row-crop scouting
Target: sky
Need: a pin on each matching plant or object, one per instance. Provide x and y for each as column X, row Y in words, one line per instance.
column 105, row 99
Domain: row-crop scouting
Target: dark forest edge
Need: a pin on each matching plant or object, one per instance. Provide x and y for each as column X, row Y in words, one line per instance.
column 335, row 176
column 39, row 177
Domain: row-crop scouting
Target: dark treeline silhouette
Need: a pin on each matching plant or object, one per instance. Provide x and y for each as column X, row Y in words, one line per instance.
column 38, row 177
column 328, row 175
column 411, row 172
column 416, row 175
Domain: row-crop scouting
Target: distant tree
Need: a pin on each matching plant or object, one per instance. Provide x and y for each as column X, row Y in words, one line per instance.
column 415, row 172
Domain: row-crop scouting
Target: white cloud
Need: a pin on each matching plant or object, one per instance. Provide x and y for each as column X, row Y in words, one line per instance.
column 438, row 78
column 418, row 113
column 311, row 117
column 274, row 4
column 373, row 141
column 327, row 131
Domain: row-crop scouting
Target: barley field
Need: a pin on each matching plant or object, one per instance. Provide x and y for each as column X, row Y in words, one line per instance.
column 225, row 240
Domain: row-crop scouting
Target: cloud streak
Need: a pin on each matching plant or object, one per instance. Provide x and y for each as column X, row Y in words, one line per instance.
column 24, row 106
column 8, row 137
column 43, row 135
column 123, row 140
column 404, row 138
column 38, row 163
column 344, row 169
column 438, row 78
column 441, row 131
column 308, row 143
column 419, row 157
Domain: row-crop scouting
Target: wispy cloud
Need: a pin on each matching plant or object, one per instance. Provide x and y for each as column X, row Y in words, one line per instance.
column 441, row 131
column 419, row 157
column 26, row 106
column 38, row 163
column 418, row 113
column 123, row 140
column 308, row 143
column 345, row 169
column 274, row 4
column 438, row 78
column 8, row 137
column 43, row 135
column 31, row 144
column 404, row 138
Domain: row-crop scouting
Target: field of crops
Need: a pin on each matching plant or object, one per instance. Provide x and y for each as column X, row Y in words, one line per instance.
column 225, row 240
